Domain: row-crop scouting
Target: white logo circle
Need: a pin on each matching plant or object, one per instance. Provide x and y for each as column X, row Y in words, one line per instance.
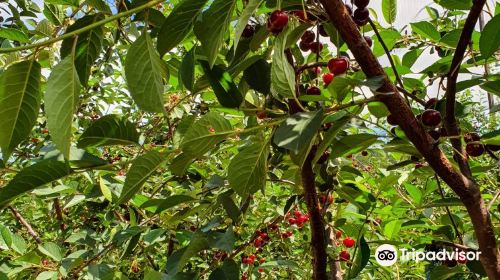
column 386, row 255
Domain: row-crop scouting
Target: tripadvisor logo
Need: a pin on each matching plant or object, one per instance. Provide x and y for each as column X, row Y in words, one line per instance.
column 387, row 255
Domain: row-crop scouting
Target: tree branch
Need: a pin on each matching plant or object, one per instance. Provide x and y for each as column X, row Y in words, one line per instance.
column 464, row 187
column 318, row 241
column 23, row 222
column 451, row 124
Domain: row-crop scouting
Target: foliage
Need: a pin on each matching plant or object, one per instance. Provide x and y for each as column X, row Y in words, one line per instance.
column 166, row 140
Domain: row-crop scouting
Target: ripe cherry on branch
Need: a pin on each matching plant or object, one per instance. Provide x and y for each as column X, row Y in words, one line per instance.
column 313, row 91
column 327, row 78
column 277, row 21
column 431, row 117
column 344, row 256
column 348, row 242
column 248, row 31
column 361, row 3
column 338, row 65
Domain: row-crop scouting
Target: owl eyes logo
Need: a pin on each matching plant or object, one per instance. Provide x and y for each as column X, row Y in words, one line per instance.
column 386, row 255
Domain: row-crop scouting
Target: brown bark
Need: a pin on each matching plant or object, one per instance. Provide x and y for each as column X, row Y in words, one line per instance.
column 23, row 222
column 318, row 240
column 464, row 187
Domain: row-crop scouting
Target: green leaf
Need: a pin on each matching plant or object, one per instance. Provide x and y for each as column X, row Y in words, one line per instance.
column 451, row 38
column 330, row 136
column 490, row 37
column 361, row 259
column 443, row 272
column 88, row 45
column 411, row 57
column 392, row 228
column 159, row 205
column 282, row 73
column 205, row 133
column 178, row 24
column 180, row 164
column 109, row 130
column 179, row 258
column 247, row 171
column 340, row 86
column 214, row 23
column 32, row 177
column 390, row 38
column 389, row 10
column 53, row 13
column 378, row 109
column 144, row 73
column 492, row 87
column 61, row 100
column 455, row 4
column 52, row 250
column 250, row 8
column 298, row 130
column 223, row 86
column 14, row 35
column 142, row 168
column 352, row 144
column 100, row 5
column 426, row 29
column 451, row 201
column 187, row 69
column 19, row 103
column 258, row 76
column 229, row 270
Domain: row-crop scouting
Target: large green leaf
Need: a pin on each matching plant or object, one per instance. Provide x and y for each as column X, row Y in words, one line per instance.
column 19, row 103
column 490, row 37
column 159, row 205
column 282, row 72
column 186, row 70
column 426, row 29
column 205, row 133
column 144, row 70
column 455, row 4
column 178, row 24
column 229, row 270
column 298, row 130
column 55, row 14
column 139, row 172
column 390, row 37
column 389, row 10
column 223, row 86
column 52, row 250
column 249, row 10
column 247, row 171
column 330, row 137
column 258, row 76
column 492, row 87
column 212, row 27
column 61, row 99
column 352, row 144
column 33, row 177
column 109, row 130
column 361, row 259
column 179, row 258
column 88, row 45
column 14, row 35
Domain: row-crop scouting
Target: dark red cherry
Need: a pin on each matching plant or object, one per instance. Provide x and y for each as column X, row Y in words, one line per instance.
column 304, row 46
column 361, row 3
column 431, row 117
column 313, row 91
column 474, row 150
column 316, row 47
column 369, row 41
column 338, row 65
column 308, row 36
column 431, row 103
column 471, row 137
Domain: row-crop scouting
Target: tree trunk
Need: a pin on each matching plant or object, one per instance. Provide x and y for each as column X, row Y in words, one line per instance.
column 318, row 240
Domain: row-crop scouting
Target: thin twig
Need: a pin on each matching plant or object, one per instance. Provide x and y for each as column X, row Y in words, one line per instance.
column 23, row 222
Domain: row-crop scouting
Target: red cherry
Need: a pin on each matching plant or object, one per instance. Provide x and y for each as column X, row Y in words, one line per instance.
column 369, row 41
column 471, row 137
column 304, row 46
column 317, row 70
column 474, row 150
column 248, row 31
column 277, row 21
column 292, row 221
column 300, row 14
column 391, row 119
column 338, row 65
column 313, row 91
column 361, row 3
column 316, row 47
column 308, row 36
column 338, row 234
column 361, row 16
column 344, row 256
column 261, row 115
column 45, row 262
column 419, row 165
column 431, row 103
column 262, row 260
column 431, row 117
column 244, row 277
column 327, row 78
column 349, row 242
column 211, row 130
column 261, row 269
column 493, row 148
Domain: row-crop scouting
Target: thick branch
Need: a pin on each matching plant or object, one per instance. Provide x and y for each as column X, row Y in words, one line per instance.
column 451, row 124
column 464, row 187
column 23, row 222
column 318, row 240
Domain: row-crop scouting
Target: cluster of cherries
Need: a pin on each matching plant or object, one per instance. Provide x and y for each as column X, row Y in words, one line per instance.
column 308, row 43
column 298, row 218
column 337, row 66
column 361, row 14
column 348, row 242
